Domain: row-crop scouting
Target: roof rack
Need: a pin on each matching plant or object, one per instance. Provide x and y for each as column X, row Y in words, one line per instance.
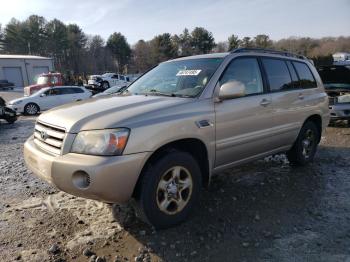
column 268, row 51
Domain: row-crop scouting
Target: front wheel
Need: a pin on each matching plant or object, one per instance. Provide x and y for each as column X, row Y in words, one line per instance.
column 304, row 148
column 11, row 120
column 105, row 85
column 31, row 109
column 169, row 189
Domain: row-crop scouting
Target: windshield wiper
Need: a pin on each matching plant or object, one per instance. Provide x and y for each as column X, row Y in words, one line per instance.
column 158, row 93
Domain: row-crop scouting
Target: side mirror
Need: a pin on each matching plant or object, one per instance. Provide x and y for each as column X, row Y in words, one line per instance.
column 232, row 89
column 43, row 95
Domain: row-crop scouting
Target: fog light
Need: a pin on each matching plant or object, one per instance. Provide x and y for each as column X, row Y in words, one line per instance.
column 81, row 179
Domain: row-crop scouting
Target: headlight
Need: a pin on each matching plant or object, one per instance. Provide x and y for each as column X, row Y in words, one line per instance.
column 15, row 103
column 108, row 142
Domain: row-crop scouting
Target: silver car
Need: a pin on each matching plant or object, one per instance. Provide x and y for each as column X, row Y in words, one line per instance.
column 161, row 140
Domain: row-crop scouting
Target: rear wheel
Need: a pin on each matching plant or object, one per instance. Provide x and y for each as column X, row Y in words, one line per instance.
column 169, row 190
column 304, row 148
column 31, row 109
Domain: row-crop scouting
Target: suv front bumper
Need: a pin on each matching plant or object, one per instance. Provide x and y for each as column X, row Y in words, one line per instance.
column 109, row 179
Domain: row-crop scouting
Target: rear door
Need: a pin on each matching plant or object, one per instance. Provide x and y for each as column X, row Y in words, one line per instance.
column 243, row 124
column 68, row 95
column 288, row 99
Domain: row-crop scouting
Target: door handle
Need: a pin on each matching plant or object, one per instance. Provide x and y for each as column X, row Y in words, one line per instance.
column 265, row 102
column 301, row 96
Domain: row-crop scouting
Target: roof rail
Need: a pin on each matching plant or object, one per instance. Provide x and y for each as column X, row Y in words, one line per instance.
column 268, row 51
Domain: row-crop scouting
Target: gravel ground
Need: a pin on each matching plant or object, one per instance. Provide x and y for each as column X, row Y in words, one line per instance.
column 264, row 211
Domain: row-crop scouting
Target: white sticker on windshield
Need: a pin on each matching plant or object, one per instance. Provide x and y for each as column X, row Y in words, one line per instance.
column 188, row 72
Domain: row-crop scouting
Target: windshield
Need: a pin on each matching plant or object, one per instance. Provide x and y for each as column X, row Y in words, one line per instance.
column 42, row 80
column 184, row 78
column 335, row 76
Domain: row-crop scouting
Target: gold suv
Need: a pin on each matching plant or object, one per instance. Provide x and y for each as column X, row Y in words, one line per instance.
column 187, row 119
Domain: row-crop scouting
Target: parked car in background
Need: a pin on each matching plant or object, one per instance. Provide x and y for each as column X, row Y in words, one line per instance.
column 44, row 80
column 7, row 113
column 177, row 125
column 47, row 98
column 4, row 84
column 110, row 91
column 336, row 80
column 100, row 83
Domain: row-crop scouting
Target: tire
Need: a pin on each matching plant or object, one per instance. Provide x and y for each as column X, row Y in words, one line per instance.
column 105, row 85
column 31, row 109
column 160, row 183
column 11, row 120
column 304, row 148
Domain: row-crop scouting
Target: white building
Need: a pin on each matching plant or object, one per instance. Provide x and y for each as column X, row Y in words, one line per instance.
column 22, row 70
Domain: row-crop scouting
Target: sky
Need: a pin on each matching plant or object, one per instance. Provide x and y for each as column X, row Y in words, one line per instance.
column 141, row 19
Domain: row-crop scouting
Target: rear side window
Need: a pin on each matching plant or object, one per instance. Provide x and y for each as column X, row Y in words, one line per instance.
column 293, row 74
column 306, row 79
column 67, row 91
column 246, row 72
column 278, row 74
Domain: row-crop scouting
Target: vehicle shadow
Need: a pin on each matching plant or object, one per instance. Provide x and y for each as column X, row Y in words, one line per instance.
column 247, row 211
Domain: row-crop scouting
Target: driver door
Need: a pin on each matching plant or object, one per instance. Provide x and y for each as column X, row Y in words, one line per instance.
column 243, row 124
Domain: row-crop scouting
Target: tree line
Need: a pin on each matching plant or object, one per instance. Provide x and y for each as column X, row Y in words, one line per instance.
column 77, row 52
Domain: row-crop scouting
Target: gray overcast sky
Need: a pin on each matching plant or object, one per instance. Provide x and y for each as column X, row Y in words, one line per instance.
column 144, row 19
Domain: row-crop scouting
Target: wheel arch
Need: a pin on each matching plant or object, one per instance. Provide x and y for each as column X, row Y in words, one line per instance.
column 193, row 146
column 317, row 120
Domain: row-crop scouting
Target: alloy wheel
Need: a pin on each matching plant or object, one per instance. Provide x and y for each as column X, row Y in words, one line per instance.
column 174, row 190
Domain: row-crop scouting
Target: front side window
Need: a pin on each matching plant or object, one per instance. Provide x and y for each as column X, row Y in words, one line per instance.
column 277, row 74
column 305, row 76
column 244, row 72
column 183, row 78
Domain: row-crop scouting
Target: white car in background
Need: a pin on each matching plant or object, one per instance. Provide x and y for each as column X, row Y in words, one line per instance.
column 48, row 98
column 107, row 80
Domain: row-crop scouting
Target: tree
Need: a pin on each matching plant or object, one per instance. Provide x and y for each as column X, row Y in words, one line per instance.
column 98, row 57
column 202, row 41
column 221, row 47
column 76, row 44
column 34, row 34
column 119, row 48
column 162, row 48
column 233, row 42
column 57, row 42
column 183, row 43
column 246, row 42
column 13, row 38
column 141, row 56
column 262, row 41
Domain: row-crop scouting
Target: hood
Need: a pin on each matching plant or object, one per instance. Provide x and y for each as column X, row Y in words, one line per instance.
column 110, row 112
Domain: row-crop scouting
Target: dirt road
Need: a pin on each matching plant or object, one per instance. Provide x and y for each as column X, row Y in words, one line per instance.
column 264, row 211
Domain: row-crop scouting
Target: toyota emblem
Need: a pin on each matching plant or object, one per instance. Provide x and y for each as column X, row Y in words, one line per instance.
column 43, row 134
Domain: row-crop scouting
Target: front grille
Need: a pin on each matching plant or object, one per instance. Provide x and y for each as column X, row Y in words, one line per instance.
column 49, row 138
column 332, row 100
